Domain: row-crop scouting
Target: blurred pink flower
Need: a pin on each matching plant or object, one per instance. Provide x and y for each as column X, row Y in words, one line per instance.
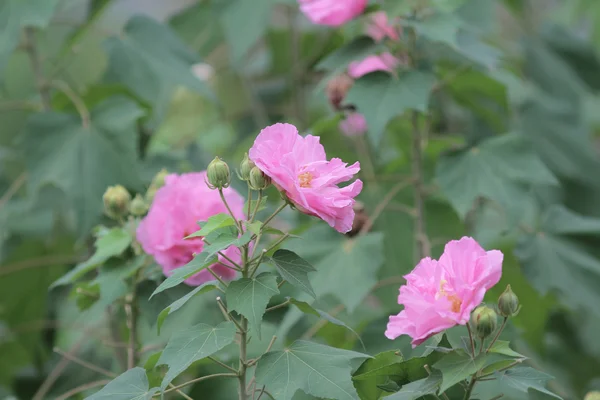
column 379, row 27
column 177, row 207
column 383, row 62
column 332, row 12
column 441, row 294
column 354, row 124
column 298, row 167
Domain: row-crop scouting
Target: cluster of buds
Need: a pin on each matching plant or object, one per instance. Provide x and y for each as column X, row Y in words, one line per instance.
column 118, row 203
column 219, row 177
column 484, row 319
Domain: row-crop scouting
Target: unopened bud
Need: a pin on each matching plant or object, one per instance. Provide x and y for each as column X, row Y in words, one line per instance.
column 508, row 303
column 245, row 167
column 258, row 180
column 337, row 89
column 485, row 321
column 218, row 174
column 157, row 182
column 116, row 201
column 138, row 206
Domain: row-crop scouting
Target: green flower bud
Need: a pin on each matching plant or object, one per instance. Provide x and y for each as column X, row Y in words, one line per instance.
column 157, row 182
column 508, row 303
column 595, row 395
column 258, row 180
column 245, row 167
column 116, row 201
column 218, row 174
column 138, row 206
column 484, row 320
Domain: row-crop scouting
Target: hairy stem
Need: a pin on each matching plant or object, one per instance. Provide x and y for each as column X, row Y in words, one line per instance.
column 281, row 207
column 255, row 211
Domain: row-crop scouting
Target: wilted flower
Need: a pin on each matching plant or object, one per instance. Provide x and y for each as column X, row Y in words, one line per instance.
column 441, row 294
column 332, row 12
column 178, row 206
column 298, row 166
column 382, row 62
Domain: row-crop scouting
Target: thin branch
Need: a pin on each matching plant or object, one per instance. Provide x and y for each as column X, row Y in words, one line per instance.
column 13, row 189
column 497, row 334
column 382, row 205
column 179, row 392
column 202, row 378
column 85, row 364
column 222, row 364
column 82, row 388
column 36, row 66
column 281, row 305
column 471, row 340
column 217, row 277
column 76, row 100
column 280, row 284
column 238, row 225
column 131, row 314
column 277, row 211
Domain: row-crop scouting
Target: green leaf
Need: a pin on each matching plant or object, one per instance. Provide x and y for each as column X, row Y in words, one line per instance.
column 193, row 344
column 457, row 366
column 525, row 378
column 294, row 269
column 176, row 305
column 83, row 162
column 150, row 60
column 499, row 169
column 213, row 223
column 180, row 274
column 503, row 347
column 390, row 366
column 110, row 243
column 130, row 385
column 308, row 309
column 254, row 227
column 250, row 296
column 420, row 388
column 561, row 221
column 316, row 369
column 223, row 238
column 381, row 97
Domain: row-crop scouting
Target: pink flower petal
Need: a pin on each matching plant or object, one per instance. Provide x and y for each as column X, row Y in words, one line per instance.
column 332, row 12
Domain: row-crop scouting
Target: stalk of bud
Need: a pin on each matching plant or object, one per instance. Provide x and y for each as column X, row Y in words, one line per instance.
column 218, row 174
column 508, row 303
column 484, row 320
column 258, row 180
column 138, row 206
column 245, row 167
column 116, row 201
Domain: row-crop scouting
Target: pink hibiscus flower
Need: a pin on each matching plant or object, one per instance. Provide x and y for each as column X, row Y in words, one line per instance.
column 332, row 12
column 354, row 124
column 177, row 207
column 383, row 62
column 298, row 167
column 379, row 27
column 441, row 294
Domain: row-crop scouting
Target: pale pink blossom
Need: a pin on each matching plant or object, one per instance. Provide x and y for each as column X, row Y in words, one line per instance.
column 383, row 62
column 354, row 124
column 441, row 294
column 177, row 207
column 299, row 168
column 332, row 12
column 379, row 27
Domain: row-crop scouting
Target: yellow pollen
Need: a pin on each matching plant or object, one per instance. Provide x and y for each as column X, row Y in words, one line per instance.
column 455, row 302
column 305, row 179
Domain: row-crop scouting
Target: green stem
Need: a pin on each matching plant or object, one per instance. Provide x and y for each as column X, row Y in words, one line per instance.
column 237, row 223
column 249, row 203
column 242, row 367
column 497, row 334
column 470, row 387
column 471, row 340
column 131, row 313
column 260, row 195
column 281, row 207
column 202, row 378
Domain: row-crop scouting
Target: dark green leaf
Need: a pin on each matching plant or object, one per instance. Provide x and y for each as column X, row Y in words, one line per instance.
column 381, row 97
column 212, row 224
column 85, row 161
column 318, row 370
column 131, row 385
column 180, row 274
column 457, row 366
column 499, row 169
column 503, row 347
column 525, row 378
column 194, row 344
column 110, row 243
column 250, row 296
column 205, row 287
column 420, row 388
column 294, row 269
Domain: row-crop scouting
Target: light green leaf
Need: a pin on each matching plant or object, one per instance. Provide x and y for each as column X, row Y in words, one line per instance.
column 500, row 169
column 525, row 378
column 110, row 243
column 194, row 344
column 503, row 347
column 213, row 223
column 223, row 238
column 294, row 269
column 316, row 369
column 150, row 59
column 440, row 27
column 180, row 274
column 83, row 162
column 254, row 227
column 250, row 296
column 176, row 305
column 457, row 366
column 130, row 385
column 420, row 388
column 381, row 97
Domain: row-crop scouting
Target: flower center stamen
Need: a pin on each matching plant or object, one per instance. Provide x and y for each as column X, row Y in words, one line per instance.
column 305, row 179
column 455, row 301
